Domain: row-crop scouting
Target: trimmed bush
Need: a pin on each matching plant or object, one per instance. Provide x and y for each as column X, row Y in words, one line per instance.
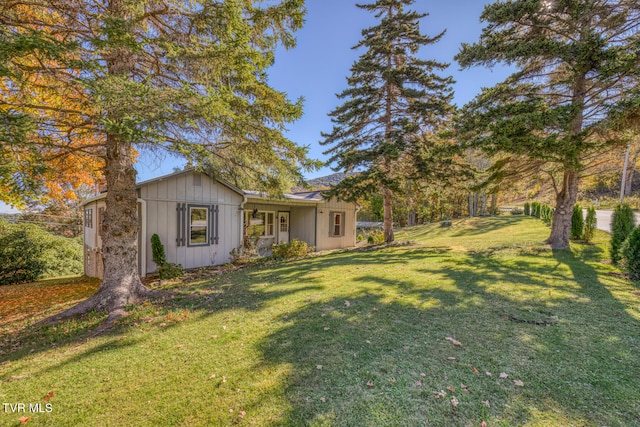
column 630, row 255
column 20, row 258
column 527, row 209
column 516, row 211
column 590, row 224
column 291, row 250
column 157, row 251
column 622, row 224
column 166, row 270
column 577, row 223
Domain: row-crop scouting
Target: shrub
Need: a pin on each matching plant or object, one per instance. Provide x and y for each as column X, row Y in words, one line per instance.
column 527, row 209
column 577, row 223
column 166, row 270
column 375, row 237
column 29, row 252
column 630, row 255
column 293, row 249
column 535, row 209
column 20, row 258
column 445, row 223
column 516, row 211
column 590, row 224
column 622, row 224
column 157, row 251
column 170, row 271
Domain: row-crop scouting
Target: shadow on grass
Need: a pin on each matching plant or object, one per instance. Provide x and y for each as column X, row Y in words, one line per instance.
column 371, row 349
column 379, row 359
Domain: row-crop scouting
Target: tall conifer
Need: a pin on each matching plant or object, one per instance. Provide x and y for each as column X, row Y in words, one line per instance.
column 394, row 104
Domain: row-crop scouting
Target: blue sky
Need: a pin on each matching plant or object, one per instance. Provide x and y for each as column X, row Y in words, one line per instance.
column 317, row 68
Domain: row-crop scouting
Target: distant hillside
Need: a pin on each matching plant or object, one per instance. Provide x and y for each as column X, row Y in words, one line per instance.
column 325, row 182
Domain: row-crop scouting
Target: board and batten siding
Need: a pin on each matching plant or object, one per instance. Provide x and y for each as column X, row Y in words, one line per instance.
column 324, row 241
column 302, row 224
column 162, row 197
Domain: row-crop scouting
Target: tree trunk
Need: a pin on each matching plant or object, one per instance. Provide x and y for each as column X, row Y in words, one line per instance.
column 630, row 172
column 565, row 200
column 471, row 207
column 483, row 210
column 121, row 283
column 494, row 201
column 387, row 198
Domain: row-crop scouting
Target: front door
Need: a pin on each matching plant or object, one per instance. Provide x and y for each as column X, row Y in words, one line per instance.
column 283, row 227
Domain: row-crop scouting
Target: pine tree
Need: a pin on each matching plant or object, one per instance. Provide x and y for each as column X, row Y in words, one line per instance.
column 394, row 105
column 188, row 77
column 576, row 61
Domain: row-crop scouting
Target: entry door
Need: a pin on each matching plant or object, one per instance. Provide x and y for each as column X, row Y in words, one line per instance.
column 283, row 227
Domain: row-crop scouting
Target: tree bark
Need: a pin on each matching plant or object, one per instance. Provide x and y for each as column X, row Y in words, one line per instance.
column 387, row 197
column 121, row 283
column 565, row 199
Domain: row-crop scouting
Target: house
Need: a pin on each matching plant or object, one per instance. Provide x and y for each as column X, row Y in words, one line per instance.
column 200, row 220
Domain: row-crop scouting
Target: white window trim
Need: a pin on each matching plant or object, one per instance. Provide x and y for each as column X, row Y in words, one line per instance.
column 206, row 241
column 266, row 214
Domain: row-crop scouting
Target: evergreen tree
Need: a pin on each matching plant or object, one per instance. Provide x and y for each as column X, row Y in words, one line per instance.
column 590, row 223
column 189, row 77
column 623, row 222
column 577, row 61
column 394, row 105
column 577, row 223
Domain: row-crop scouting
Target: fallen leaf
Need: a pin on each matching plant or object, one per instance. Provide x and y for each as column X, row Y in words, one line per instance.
column 454, row 401
column 503, row 375
column 422, row 374
column 242, row 414
column 489, row 374
column 475, row 371
column 518, row 383
column 483, row 423
column 230, row 410
column 347, row 304
column 392, row 380
column 368, row 342
column 451, row 358
column 318, row 366
column 419, row 383
column 326, row 328
column 370, row 384
column 375, row 308
column 451, row 389
column 464, row 388
column 323, row 400
column 440, row 394
column 49, row 396
column 454, row 341
column 18, row 377
column 24, row 420
column 486, row 403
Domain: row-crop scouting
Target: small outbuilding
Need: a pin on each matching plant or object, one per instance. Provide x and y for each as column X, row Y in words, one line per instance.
column 201, row 219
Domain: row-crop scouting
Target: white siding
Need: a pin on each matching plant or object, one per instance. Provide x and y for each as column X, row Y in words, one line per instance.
column 303, row 224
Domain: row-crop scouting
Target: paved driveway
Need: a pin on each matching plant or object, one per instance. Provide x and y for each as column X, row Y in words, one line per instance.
column 604, row 219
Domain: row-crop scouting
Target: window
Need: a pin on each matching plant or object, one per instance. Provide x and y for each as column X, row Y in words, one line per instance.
column 336, row 226
column 88, row 218
column 260, row 224
column 198, row 225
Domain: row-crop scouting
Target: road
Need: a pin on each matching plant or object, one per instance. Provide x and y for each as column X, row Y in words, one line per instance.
column 604, row 219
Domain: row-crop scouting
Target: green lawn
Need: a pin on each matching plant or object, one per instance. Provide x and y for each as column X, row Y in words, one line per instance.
column 357, row 338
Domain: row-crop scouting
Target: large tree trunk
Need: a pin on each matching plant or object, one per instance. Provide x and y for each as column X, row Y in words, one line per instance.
column 121, row 283
column 387, row 198
column 565, row 200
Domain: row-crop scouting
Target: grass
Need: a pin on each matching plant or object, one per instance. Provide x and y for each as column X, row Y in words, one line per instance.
column 357, row 338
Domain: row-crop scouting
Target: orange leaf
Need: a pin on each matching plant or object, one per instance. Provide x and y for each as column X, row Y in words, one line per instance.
column 24, row 420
